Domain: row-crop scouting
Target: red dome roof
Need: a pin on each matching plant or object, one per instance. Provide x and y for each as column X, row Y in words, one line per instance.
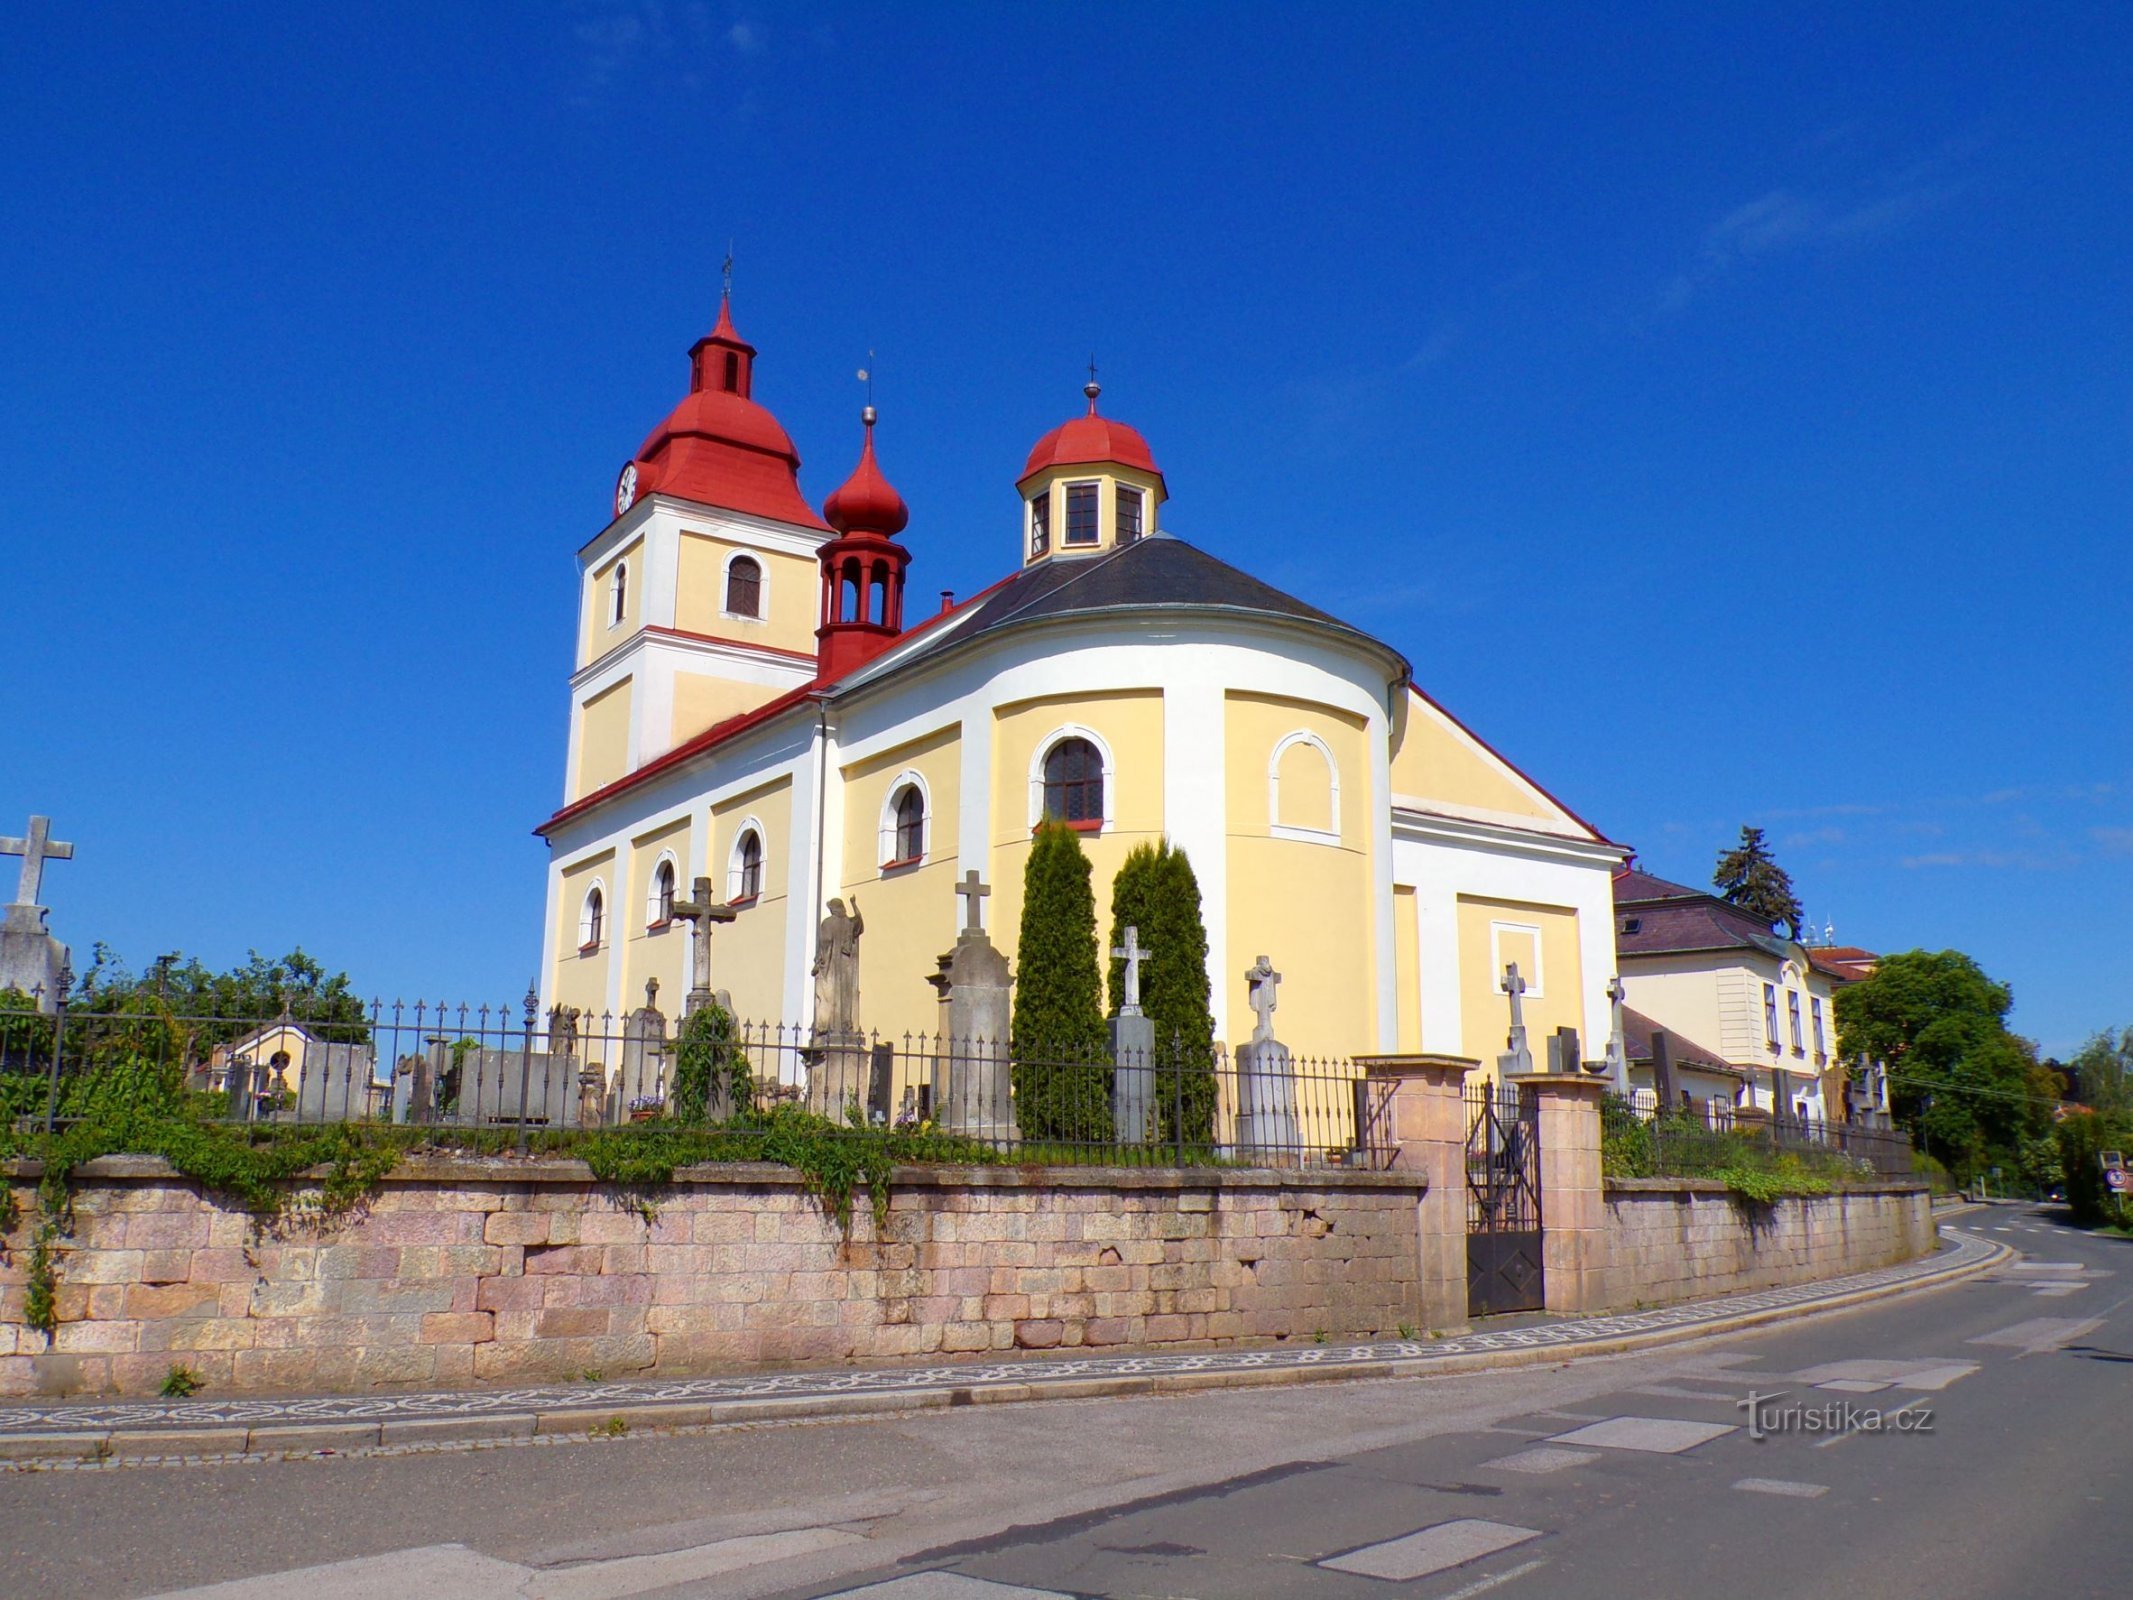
column 718, row 446
column 1090, row 438
column 866, row 503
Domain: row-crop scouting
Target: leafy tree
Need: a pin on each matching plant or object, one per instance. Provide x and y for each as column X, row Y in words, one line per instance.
column 2083, row 1138
column 1062, row 1075
column 2102, row 1071
column 1749, row 877
column 1157, row 892
column 710, row 1069
column 1970, row 1091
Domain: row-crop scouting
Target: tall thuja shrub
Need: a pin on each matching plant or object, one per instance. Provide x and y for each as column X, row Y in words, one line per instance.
column 1062, row 1075
column 1157, row 892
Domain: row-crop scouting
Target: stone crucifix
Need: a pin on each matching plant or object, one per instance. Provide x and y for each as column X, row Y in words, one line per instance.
column 972, row 891
column 1617, row 1039
column 702, row 914
column 1515, row 987
column 1262, row 980
column 35, row 851
column 1133, row 954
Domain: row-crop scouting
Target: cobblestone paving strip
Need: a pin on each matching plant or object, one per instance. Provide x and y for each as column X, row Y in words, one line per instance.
column 46, row 1427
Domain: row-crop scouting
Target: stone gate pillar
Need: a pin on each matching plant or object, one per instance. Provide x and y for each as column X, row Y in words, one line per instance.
column 1428, row 1134
column 1573, row 1195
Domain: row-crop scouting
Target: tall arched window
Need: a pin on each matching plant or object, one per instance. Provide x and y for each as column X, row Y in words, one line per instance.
column 744, row 587
column 745, row 872
column 1074, row 782
column 592, row 919
column 1304, row 790
column 661, row 910
column 907, row 827
column 618, row 593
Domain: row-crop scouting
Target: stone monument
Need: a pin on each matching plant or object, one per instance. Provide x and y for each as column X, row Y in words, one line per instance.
column 644, row 1051
column 31, row 960
column 702, row 914
column 839, row 1066
column 973, row 1087
column 1517, row 1059
column 1617, row 1039
column 1266, row 1087
column 1133, row 1117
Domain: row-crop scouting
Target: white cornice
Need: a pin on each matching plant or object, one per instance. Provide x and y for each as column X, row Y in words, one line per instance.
column 741, row 527
column 692, row 647
column 1470, row 833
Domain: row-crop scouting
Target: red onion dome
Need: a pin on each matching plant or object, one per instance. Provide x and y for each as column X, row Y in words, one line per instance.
column 866, row 503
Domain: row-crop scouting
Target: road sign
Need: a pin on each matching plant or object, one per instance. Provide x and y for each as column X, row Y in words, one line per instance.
column 2119, row 1180
column 2113, row 1161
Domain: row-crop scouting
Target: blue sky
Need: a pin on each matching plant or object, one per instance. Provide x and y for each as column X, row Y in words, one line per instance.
column 1727, row 410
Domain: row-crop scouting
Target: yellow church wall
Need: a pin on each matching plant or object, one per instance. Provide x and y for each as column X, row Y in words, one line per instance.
column 581, row 980
column 1131, row 723
column 911, row 912
column 1305, row 904
column 701, row 701
column 603, row 738
column 792, row 597
column 1494, row 932
column 1434, row 761
column 647, row 954
column 596, row 635
column 1407, row 968
column 748, row 953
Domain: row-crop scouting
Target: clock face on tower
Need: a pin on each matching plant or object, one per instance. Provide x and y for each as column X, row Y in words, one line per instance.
column 626, row 489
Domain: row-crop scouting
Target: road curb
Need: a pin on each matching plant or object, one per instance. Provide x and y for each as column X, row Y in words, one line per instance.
column 303, row 1437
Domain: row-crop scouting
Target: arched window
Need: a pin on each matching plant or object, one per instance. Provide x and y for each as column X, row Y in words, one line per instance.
column 903, row 827
column 1074, row 783
column 1304, row 790
column 744, row 871
column 660, row 911
column 744, row 587
column 592, row 919
column 618, row 596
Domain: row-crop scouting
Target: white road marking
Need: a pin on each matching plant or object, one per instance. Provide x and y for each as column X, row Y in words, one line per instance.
column 1937, row 1376
column 949, row 1586
column 1857, row 1385
column 2059, row 1291
column 1668, row 1391
column 626, row 1575
column 1543, row 1458
column 439, row 1569
column 1663, row 1436
column 1426, row 1550
column 2040, row 1334
column 1484, row 1585
column 1802, row 1491
column 1853, row 1433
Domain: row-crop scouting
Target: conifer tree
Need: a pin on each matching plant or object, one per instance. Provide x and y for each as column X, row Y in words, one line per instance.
column 1062, row 1074
column 1157, row 892
column 1748, row 877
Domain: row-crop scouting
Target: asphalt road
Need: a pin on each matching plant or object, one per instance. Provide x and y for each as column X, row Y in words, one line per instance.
column 2000, row 1468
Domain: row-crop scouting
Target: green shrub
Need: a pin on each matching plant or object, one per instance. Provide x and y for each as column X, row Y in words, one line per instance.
column 708, row 1061
column 1157, row 893
column 1061, row 1067
column 2083, row 1138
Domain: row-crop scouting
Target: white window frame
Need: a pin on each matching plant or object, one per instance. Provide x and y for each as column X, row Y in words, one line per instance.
column 1296, row 831
column 762, row 586
column 1793, row 1015
column 652, row 918
column 1770, row 1017
column 1119, row 490
column 618, row 594
column 1536, row 985
column 1045, row 746
column 1042, row 497
column 748, row 825
column 587, row 943
column 1066, row 506
column 885, row 856
column 1814, row 1007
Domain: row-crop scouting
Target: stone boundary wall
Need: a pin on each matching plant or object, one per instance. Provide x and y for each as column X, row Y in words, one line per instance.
column 465, row 1271
column 1673, row 1239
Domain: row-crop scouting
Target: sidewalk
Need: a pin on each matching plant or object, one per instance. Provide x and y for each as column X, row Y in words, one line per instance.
column 87, row 1431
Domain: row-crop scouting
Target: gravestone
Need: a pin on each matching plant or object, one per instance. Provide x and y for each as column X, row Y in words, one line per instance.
column 1517, row 1059
column 644, row 1050
column 1266, row 1087
column 334, row 1085
column 1617, row 1038
column 973, row 1090
column 1132, row 1052
column 237, row 1084
column 489, row 1083
column 31, row 960
column 839, row 1065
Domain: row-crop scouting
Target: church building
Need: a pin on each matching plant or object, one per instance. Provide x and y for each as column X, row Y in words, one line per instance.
column 753, row 704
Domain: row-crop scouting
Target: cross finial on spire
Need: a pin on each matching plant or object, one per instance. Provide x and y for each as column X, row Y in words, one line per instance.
column 725, row 272
column 866, row 376
column 1092, row 388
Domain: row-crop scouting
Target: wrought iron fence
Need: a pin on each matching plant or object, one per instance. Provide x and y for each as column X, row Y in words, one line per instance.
column 1705, row 1133
column 446, row 1067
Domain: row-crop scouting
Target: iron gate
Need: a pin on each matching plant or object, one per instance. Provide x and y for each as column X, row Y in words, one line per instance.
column 1503, row 1201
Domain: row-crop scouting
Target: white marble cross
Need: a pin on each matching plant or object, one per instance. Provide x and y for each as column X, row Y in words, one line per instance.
column 1263, row 980
column 1133, row 955
column 35, row 851
column 972, row 891
column 701, row 913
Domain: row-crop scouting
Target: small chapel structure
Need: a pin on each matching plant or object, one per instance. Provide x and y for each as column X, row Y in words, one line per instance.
column 753, row 706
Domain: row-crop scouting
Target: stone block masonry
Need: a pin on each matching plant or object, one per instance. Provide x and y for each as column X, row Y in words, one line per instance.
column 463, row 1272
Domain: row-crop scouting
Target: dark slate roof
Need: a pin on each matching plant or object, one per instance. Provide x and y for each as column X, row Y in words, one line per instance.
column 1656, row 917
column 1158, row 572
column 1637, row 1031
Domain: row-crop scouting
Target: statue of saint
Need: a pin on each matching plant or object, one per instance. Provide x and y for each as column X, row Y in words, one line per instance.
column 836, row 969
